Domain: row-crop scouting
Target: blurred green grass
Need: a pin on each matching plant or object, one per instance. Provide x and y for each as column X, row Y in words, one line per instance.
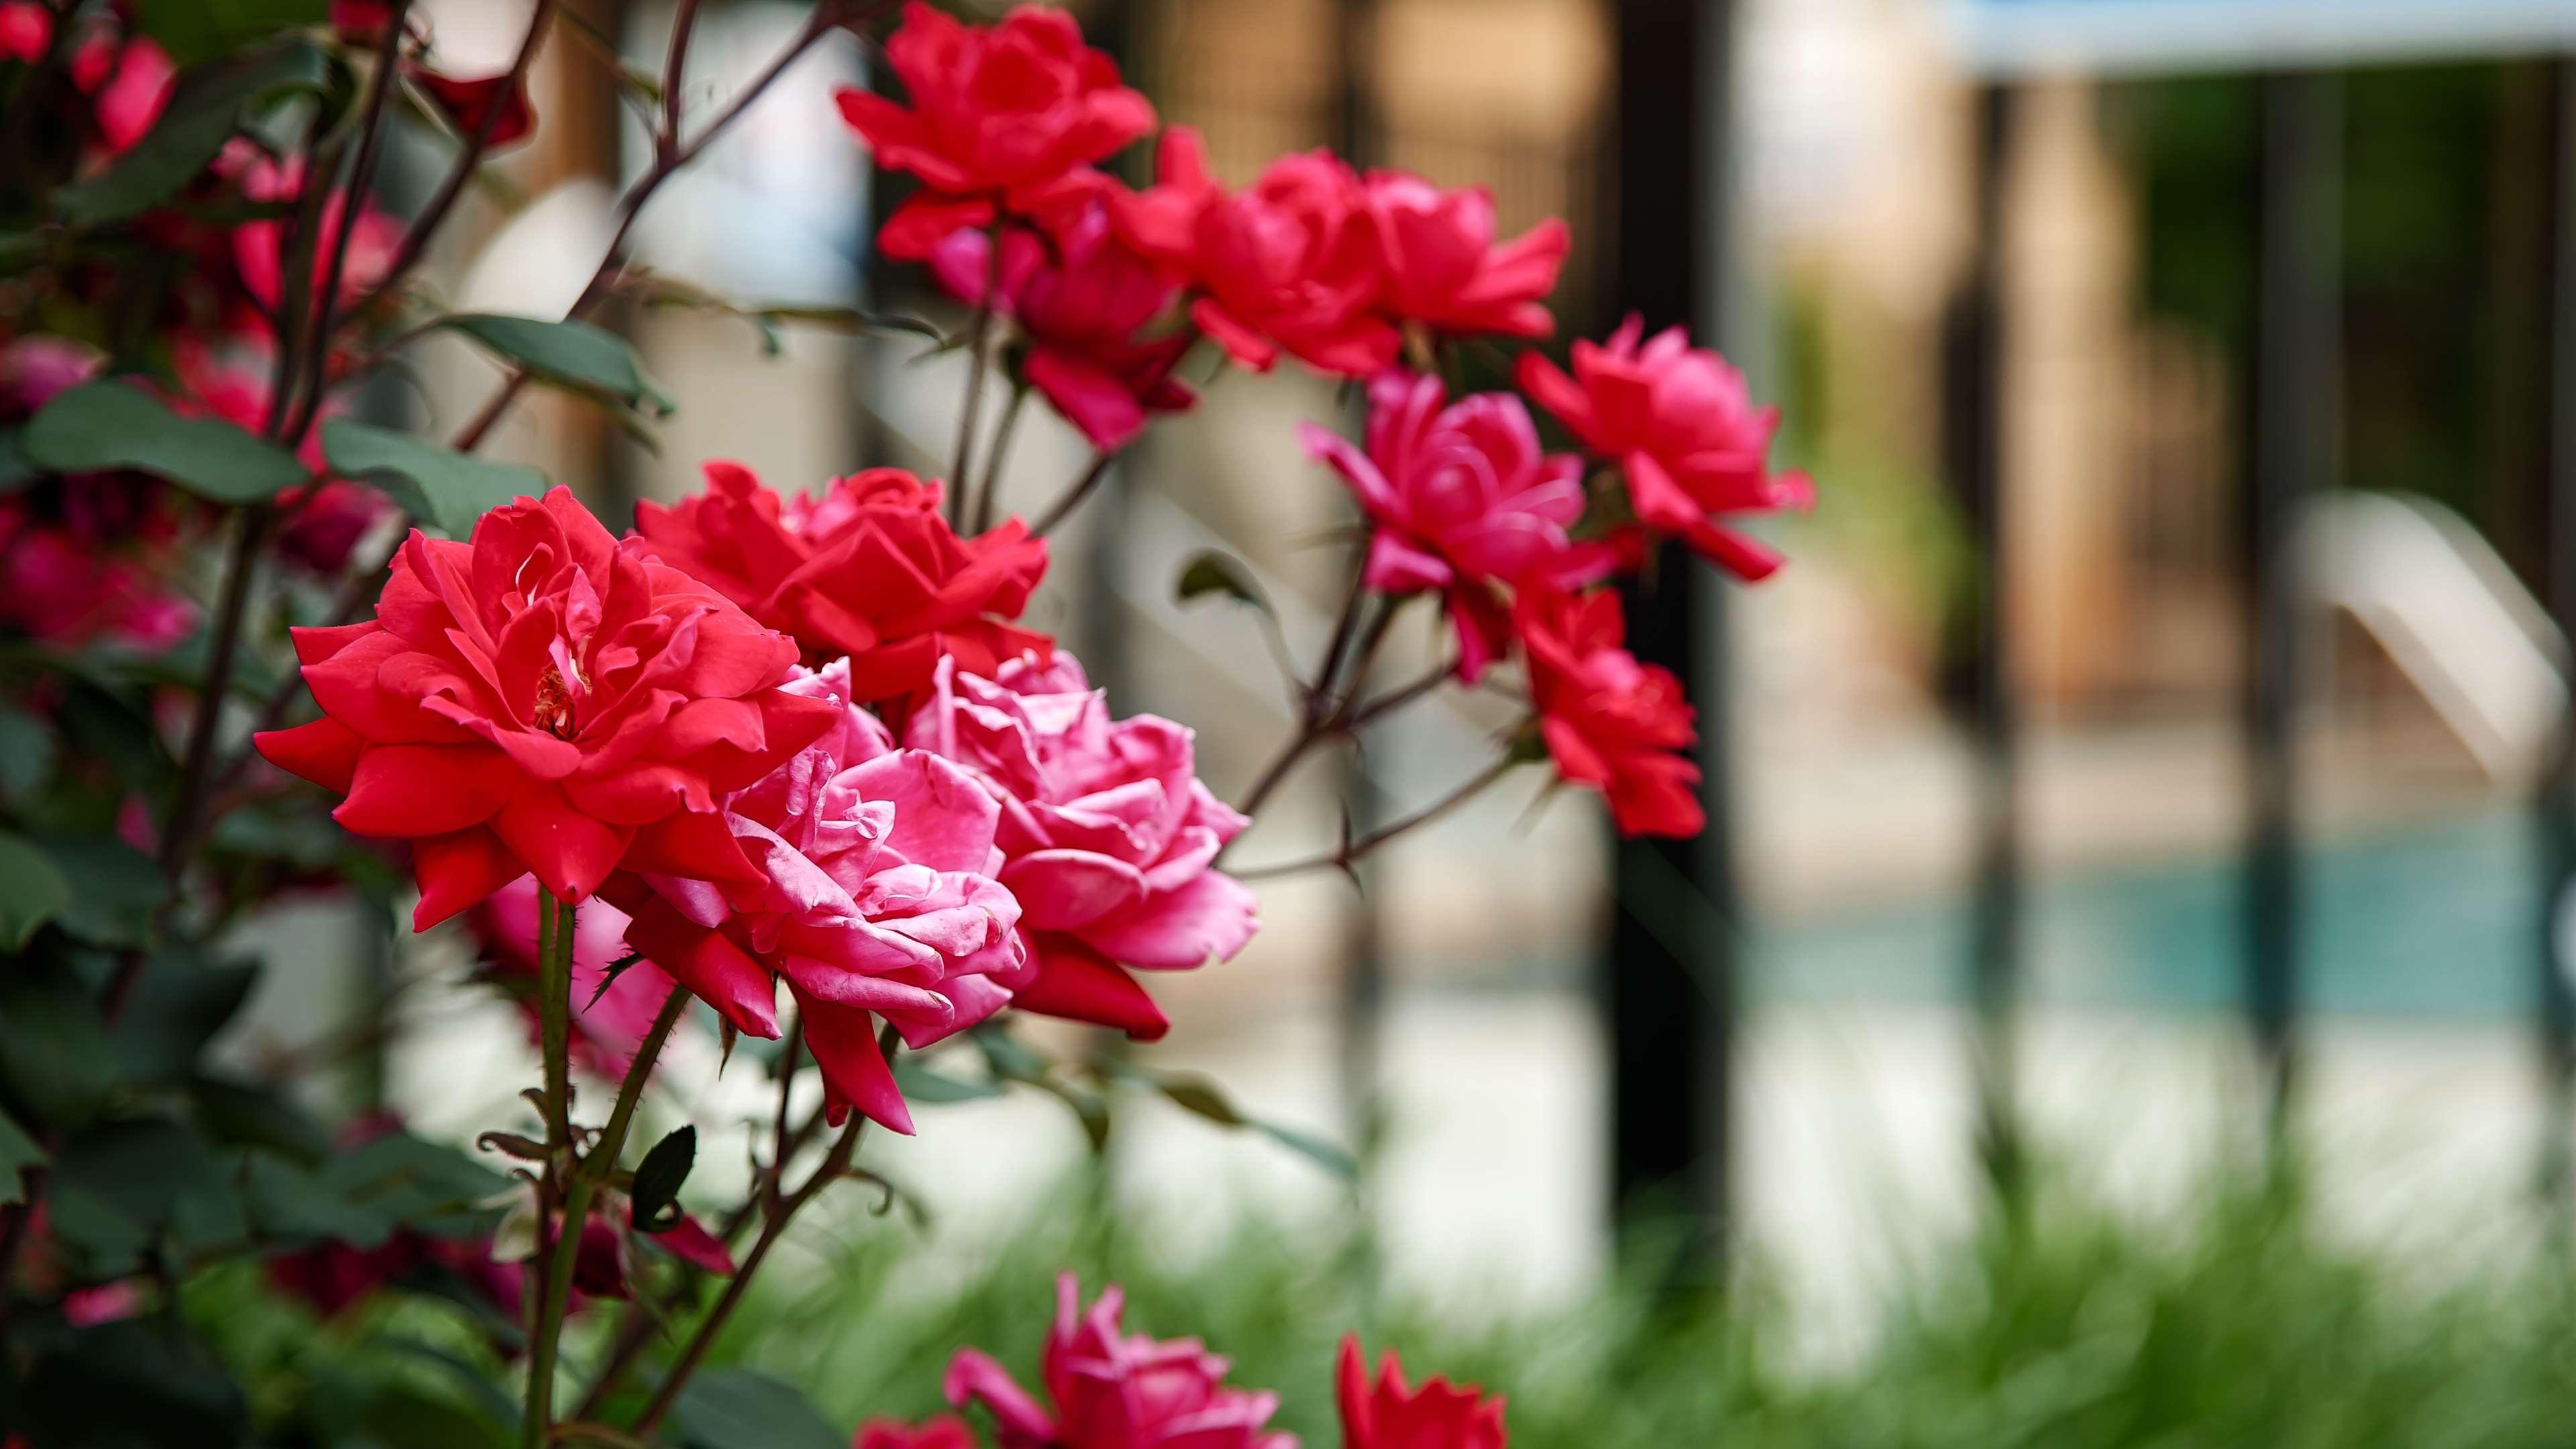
column 2234, row 1321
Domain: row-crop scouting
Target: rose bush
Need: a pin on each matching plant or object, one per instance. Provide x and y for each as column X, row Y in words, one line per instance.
column 799, row 770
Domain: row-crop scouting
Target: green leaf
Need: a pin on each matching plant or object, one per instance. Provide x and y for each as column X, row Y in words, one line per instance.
column 438, row 487
column 243, row 1114
column 18, row 1152
column 180, row 1001
column 589, row 360
column 921, row 1084
column 1203, row 1098
column 415, row 1183
column 136, row 1381
column 193, row 30
column 15, row 471
column 119, row 1187
column 735, row 1408
column 116, row 890
column 398, row 1416
column 32, row 891
column 101, row 426
column 26, row 759
column 1328, row 1155
column 660, row 1176
column 204, row 113
column 53, row 1048
column 1211, row 572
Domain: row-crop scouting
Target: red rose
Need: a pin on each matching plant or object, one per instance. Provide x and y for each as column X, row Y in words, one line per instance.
column 1443, row 268
column 1683, row 428
column 547, row 699
column 870, row 569
column 940, row 1431
column 1002, row 116
column 1610, row 722
column 1292, row 262
column 1387, row 1415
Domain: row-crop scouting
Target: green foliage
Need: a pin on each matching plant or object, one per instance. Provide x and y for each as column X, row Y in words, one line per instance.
column 439, row 487
column 659, row 1178
column 2236, row 1321
column 740, row 1409
column 101, row 426
column 589, row 361
column 32, row 891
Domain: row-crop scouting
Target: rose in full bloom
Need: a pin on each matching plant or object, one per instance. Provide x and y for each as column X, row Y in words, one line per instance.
column 1290, row 262
column 1003, row 117
column 608, row 1025
column 870, row 570
column 875, row 895
column 1444, row 268
column 940, row 1431
column 1080, row 298
column 1112, row 1391
column 1462, row 499
column 1108, row 831
column 1682, row 426
column 1387, row 1415
column 1610, row 722
column 545, row 699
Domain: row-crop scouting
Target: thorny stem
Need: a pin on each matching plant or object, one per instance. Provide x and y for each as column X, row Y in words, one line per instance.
column 1318, row 716
column 835, row 1165
column 977, row 341
column 982, row 517
column 1395, row 699
column 1353, row 851
column 674, row 68
column 563, row 1190
column 1072, row 497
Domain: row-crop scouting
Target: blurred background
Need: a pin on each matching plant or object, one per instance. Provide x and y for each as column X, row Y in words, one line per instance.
column 2156, row 740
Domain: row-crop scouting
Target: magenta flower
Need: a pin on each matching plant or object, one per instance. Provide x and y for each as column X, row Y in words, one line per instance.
column 1443, row 267
column 1463, row 500
column 1108, row 831
column 1081, row 299
column 876, row 895
column 1681, row 425
column 1116, row 1392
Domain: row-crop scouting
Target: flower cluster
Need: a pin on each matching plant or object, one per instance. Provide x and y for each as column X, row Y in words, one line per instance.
column 1107, row 1389
column 615, row 722
column 1365, row 276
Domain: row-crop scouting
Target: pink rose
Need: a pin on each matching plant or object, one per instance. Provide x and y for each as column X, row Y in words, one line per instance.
column 876, row 895
column 1463, row 500
column 1081, row 298
column 1443, row 268
column 1112, row 1391
column 1683, row 428
column 1108, row 832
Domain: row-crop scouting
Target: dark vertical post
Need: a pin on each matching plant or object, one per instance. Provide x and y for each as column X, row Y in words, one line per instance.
column 2556, row 801
column 1669, row 981
column 2293, row 423
column 1972, row 381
